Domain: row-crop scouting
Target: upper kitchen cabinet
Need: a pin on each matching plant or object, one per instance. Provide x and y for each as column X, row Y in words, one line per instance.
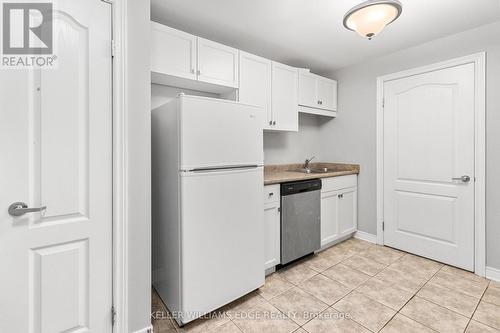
column 308, row 89
column 284, row 102
column 182, row 60
column 317, row 95
column 255, row 84
column 272, row 86
column 173, row 52
column 217, row 63
column 327, row 94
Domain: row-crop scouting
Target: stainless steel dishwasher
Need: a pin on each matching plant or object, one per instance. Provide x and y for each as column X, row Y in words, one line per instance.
column 300, row 219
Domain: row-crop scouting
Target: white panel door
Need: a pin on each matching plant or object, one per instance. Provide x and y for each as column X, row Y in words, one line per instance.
column 429, row 141
column 308, row 92
column 285, row 97
column 255, row 84
column 173, row 52
column 217, row 63
column 222, row 233
column 56, row 148
column 219, row 133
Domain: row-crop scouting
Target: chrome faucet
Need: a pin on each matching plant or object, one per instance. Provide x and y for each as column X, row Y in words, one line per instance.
column 308, row 160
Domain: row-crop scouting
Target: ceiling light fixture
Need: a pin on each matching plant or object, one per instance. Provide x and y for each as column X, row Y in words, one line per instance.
column 370, row 17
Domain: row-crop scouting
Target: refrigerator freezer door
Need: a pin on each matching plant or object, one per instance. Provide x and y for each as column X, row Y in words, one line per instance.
column 222, row 238
column 217, row 133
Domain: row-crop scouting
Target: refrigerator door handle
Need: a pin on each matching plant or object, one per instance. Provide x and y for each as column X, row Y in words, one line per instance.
column 225, row 168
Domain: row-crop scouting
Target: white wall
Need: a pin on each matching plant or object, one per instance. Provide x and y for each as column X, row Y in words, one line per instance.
column 294, row 147
column 352, row 136
column 138, row 163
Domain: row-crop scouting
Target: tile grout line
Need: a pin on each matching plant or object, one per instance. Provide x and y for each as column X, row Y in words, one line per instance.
column 412, row 297
column 355, row 288
column 350, row 292
column 475, row 308
column 297, row 286
column 235, row 324
column 415, row 294
column 480, row 300
column 352, row 253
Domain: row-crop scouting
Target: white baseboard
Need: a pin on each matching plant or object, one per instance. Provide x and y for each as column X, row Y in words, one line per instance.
column 366, row 236
column 148, row 329
column 493, row 273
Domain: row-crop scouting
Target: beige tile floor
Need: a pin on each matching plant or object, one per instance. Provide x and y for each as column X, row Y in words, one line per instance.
column 356, row 286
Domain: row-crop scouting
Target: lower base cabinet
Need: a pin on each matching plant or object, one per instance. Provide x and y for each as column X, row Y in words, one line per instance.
column 272, row 226
column 339, row 200
column 339, row 218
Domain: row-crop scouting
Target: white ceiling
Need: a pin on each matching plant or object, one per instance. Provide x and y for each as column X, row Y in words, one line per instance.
column 309, row 33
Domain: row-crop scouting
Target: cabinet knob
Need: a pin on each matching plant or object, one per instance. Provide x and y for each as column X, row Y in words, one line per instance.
column 270, row 122
column 198, row 72
column 274, row 122
column 192, row 70
column 271, row 194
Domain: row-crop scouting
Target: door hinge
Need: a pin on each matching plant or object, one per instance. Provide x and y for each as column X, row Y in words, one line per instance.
column 279, row 209
column 383, row 225
column 113, row 48
column 113, row 315
column 383, row 102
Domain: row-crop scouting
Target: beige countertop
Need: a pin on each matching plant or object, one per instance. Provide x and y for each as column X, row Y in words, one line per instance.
column 275, row 174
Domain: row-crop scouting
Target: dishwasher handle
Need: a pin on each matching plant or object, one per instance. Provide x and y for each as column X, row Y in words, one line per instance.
column 300, row 187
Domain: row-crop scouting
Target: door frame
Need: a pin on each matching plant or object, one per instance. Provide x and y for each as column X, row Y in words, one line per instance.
column 120, row 182
column 121, row 172
column 479, row 61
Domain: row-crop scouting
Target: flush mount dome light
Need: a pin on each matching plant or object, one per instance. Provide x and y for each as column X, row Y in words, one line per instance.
column 370, row 17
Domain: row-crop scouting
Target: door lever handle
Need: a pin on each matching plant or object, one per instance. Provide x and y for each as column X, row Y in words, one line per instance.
column 463, row 179
column 20, row 208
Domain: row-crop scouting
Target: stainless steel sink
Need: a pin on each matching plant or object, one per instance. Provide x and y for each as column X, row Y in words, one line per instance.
column 303, row 170
column 322, row 170
column 315, row 170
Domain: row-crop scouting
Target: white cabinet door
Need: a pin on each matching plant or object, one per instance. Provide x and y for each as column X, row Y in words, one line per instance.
column 173, row 52
column 255, row 84
column 217, row 63
column 348, row 211
column 339, row 200
column 329, row 217
column 271, row 234
column 285, row 97
column 308, row 90
column 327, row 94
column 272, row 226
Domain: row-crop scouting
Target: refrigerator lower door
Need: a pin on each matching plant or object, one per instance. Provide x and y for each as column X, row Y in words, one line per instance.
column 221, row 238
column 216, row 133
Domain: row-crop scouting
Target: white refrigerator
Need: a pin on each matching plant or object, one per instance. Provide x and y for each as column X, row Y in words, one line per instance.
column 207, row 232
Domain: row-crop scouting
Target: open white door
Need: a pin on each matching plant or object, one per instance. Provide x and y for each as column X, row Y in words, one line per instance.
column 56, row 151
column 429, row 164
